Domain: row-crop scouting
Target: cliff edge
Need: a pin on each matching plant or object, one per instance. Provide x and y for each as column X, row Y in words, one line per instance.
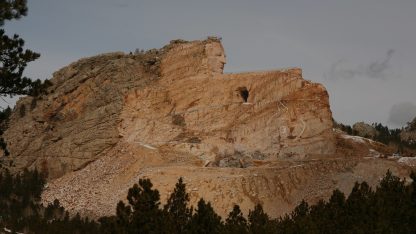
column 178, row 98
column 255, row 137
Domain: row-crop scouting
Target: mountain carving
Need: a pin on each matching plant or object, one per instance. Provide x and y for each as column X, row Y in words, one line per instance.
column 236, row 138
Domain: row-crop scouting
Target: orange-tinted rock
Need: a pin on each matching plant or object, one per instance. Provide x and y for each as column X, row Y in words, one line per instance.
column 255, row 137
column 188, row 104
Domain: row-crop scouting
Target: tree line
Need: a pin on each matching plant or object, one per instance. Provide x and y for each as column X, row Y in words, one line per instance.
column 13, row 61
column 384, row 134
column 389, row 208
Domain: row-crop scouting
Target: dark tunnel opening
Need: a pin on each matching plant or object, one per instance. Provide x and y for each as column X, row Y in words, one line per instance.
column 244, row 93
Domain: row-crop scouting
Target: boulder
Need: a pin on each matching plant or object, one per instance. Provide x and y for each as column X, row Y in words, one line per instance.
column 364, row 130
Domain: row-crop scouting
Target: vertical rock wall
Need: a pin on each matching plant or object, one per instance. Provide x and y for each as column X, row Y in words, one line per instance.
column 176, row 98
column 197, row 109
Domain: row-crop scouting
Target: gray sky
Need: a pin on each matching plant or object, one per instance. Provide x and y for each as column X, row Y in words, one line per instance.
column 363, row 51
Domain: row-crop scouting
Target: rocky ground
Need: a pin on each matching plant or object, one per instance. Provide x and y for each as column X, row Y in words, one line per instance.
column 278, row 185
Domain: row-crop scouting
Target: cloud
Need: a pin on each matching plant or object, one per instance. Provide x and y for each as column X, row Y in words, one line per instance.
column 339, row 70
column 375, row 70
column 401, row 113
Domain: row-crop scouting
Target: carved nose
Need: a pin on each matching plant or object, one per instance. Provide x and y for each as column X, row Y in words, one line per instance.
column 222, row 59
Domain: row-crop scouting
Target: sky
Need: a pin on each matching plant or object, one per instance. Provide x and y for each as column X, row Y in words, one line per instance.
column 362, row 51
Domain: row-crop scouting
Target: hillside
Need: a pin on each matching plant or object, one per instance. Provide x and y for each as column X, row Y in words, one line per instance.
column 255, row 137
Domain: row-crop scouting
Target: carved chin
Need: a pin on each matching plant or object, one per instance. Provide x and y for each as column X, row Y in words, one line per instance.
column 222, row 66
column 219, row 67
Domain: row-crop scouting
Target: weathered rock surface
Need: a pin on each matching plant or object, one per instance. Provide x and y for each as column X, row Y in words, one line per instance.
column 254, row 137
column 279, row 186
column 78, row 120
column 364, row 130
column 177, row 97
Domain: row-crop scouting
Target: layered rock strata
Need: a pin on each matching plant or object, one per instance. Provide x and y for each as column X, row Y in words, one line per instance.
column 255, row 137
column 178, row 98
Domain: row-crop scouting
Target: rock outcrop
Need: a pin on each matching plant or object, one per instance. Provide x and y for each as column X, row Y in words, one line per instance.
column 78, row 120
column 364, row 130
column 255, row 137
column 177, row 98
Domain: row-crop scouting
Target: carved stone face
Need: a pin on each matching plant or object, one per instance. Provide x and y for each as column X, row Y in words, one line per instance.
column 215, row 57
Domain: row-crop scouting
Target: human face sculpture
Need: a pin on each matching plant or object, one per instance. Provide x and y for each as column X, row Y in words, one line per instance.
column 215, row 57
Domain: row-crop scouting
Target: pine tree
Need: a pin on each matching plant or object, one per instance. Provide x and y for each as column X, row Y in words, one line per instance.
column 145, row 201
column 391, row 204
column 123, row 220
column 321, row 218
column 176, row 209
column 108, row 225
column 205, row 220
column 13, row 61
column 13, row 58
column 235, row 222
column 4, row 123
column 412, row 189
column 259, row 221
column 302, row 220
column 411, row 214
column 54, row 211
column 359, row 208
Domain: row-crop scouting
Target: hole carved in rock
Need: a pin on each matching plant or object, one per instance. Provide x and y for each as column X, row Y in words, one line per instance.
column 244, row 93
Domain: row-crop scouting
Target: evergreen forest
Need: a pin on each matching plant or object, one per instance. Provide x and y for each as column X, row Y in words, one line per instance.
column 388, row 208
